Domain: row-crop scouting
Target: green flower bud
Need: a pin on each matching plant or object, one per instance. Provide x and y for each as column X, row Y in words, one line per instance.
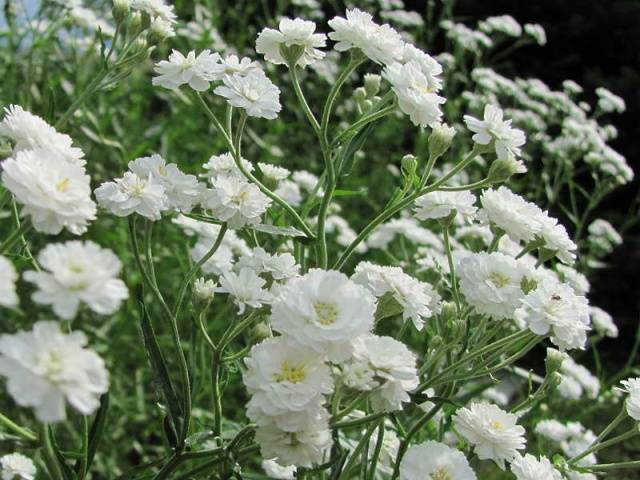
column 159, row 31
column 121, row 10
column 440, row 140
column 554, row 360
column 554, row 380
column 262, row 331
column 409, row 164
column 372, row 84
column 360, row 94
column 134, row 26
column 502, row 169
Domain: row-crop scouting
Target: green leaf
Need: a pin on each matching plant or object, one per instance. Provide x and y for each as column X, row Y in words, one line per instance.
column 388, row 307
column 95, row 434
column 273, row 230
column 159, row 366
column 347, row 159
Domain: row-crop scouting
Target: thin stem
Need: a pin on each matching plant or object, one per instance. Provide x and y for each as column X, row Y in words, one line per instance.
column 51, row 459
column 620, row 438
column 293, row 74
column 15, row 236
column 22, row 432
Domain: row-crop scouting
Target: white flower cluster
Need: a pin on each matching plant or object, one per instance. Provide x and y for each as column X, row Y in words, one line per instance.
column 46, row 174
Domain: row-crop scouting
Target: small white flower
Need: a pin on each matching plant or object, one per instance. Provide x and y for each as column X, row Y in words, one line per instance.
column 283, row 378
column 610, row 102
column 45, row 366
column 418, row 299
column 224, row 165
column 54, row 193
column 506, row 139
column 221, row 261
column 233, row 65
column 537, row 32
column 519, row 219
column 576, row 280
column 296, row 32
column 441, row 204
column 429, row 66
column 133, row 194
column 8, row 277
column 195, row 71
column 494, row 433
column 325, row 311
column 577, row 380
column 553, row 307
column 254, row 93
column 557, row 239
column 289, row 191
column 78, row 272
column 301, row 448
column 416, row 94
column 204, row 289
column 531, row 468
column 632, row 388
column 603, row 236
column 274, row 470
column 183, row 191
column 491, row 283
column 30, row 132
column 16, row 466
column 504, row 23
column 435, row 461
column 273, row 172
column 277, row 266
column 245, row 287
column 236, row 201
column 603, row 322
column 380, row 43
column 155, row 9
column 392, row 367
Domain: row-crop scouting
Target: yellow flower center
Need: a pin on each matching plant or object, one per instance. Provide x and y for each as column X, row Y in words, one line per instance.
column 496, row 424
column 291, row 373
column 63, row 185
column 240, row 197
column 327, row 313
column 441, row 474
column 498, row 279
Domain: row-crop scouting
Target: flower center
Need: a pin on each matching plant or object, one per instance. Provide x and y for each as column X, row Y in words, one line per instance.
column 496, row 424
column 441, row 474
column 63, row 185
column 327, row 313
column 498, row 279
column 291, row 373
column 240, row 197
column 51, row 364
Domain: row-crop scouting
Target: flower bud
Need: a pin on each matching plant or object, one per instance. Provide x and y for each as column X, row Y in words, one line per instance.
column 134, row 26
column 409, row 164
column 372, row 84
column 121, row 10
column 159, row 31
column 261, row 331
column 502, row 169
column 554, row 381
column 359, row 94
column 204, row 290
column 554, row 360
column 440, row 139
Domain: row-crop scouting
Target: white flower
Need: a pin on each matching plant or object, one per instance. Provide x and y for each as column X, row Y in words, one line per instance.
column 160, row 30
column 195, row 71
column 45, row 366
column 435, row 461
column 577, row 380
column 296, row 32
column 75, row 273
column 578, row 281
column 632, row 388
column 8, row 277
column 273, row 172
column 603, row 322
column 204, row 289
column 274, row 470
column 380, row 43
column 233, row 65
column 30, row 132
column 283, row 378
column 301, row 448
column 538, row 33
column 553, row 307
column 306, row 180
column 224, row 165
column 245, row 287
column 16, row 466
column 183, row 191
column 603, row 235
column 392, row 367
column 133, row 194
column 441, row 204
column 418, row 300
column 325, row 311
column 506, row 139
column 494, row 433
column 429, row 66
column 552, row 430
column 278, row 266
column 236, row 201
column 221, row 261
column 521, row 220
column 504, row 23
column 55, row 193
column 289, row 191
column 557, row 240
column 610, row 102
column 416, row 94
column 491, row 283
column 155, row 9
column 254, row 93
column 530, row 468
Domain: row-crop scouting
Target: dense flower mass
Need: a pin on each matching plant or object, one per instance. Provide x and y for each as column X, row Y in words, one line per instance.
column 325, row 274
column 45, row 368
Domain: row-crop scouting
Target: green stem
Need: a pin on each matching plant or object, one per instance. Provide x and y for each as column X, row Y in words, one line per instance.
column 51, row 459
column 22, row 432
column 604, row 467
column 293, row 74
column 608, row 443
